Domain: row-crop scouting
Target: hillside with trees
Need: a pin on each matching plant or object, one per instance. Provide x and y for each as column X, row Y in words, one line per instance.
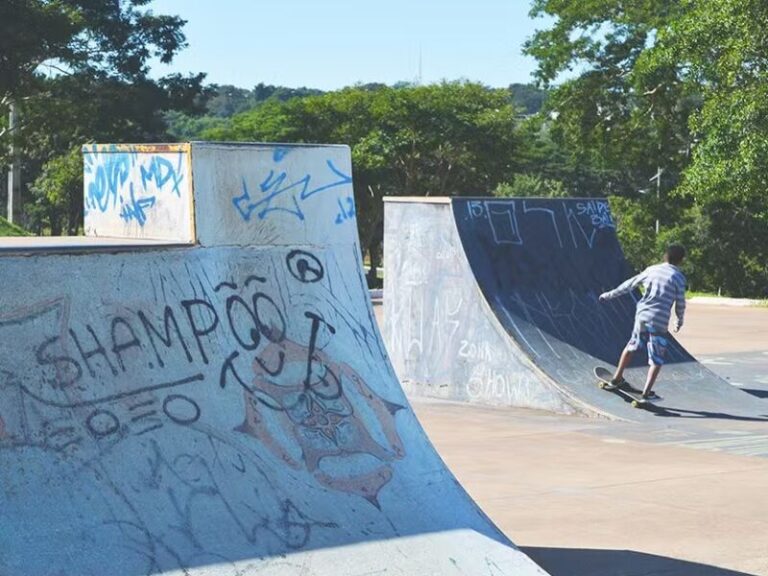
column 220, row 102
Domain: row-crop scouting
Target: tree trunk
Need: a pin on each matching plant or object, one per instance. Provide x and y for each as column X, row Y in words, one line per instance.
column 373, row 245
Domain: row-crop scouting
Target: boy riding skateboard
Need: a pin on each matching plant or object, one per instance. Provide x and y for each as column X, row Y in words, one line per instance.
column 664, row 286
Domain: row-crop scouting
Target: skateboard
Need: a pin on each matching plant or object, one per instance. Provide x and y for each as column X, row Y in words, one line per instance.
column 627, row 391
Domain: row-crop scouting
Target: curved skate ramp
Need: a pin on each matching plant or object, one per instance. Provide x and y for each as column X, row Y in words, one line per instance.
column 512, row 316
column 219, row 409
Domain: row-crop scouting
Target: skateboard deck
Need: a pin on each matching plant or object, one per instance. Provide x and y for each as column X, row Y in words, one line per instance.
column 627, row 391
column 605, row 375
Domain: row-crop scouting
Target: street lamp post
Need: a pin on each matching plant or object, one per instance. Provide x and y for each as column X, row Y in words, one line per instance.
column 14, row 172
column 657, row 178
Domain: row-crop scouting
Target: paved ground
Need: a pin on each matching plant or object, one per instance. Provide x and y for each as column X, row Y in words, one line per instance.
column 583, row 502
column 732, row 342
column 589, row 497
column 715, row 330
column 747, row 370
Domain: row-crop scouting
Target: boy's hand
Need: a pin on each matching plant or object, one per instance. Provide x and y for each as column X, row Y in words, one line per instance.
column 678, row 326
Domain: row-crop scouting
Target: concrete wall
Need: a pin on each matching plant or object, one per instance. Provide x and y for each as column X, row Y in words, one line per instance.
column 138, row 191
column 244, row 193
column 220, row 410
column 277, row 195
column 442, row 337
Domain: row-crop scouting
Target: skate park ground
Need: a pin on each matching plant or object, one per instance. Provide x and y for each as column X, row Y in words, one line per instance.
column 592, row 497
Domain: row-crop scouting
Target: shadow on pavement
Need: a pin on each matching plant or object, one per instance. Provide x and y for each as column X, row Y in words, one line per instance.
column 670, row 411
column 589, row 562
column 756, row 392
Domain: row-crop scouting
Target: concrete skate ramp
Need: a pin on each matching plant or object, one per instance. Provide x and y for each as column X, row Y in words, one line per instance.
column 537, row 267
column 226, row 408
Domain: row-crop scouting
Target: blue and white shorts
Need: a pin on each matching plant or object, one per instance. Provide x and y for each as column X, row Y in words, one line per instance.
column 653, row 339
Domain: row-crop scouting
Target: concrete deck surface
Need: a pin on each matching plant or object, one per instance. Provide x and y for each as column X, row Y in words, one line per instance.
column 588, row 497
column 593, row 504
column 712, row 330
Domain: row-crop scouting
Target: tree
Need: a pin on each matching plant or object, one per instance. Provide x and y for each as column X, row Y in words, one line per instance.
column 226, row 100
column 528, row 97
column 74, row 36
column 58, row 192
column 620, row 122
column 78, row 72
column 531, row 186
column 223, row 102
column 720, row 47
column 678, row 86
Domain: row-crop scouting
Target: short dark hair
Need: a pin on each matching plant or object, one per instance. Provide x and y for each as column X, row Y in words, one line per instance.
column 675, row 253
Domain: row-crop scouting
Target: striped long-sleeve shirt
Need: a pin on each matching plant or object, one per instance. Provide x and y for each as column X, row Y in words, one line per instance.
column 664, row 286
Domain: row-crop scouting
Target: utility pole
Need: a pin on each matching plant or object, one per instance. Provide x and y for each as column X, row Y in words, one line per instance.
column 14, row 171
column 659, row 172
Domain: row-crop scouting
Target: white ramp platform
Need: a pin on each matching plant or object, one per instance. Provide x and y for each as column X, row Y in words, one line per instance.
column 223, row 405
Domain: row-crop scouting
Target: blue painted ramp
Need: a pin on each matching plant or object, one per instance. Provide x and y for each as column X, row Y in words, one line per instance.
column 541, row 265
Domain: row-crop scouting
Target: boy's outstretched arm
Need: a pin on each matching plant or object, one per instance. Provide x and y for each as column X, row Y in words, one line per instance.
column 625, row 287
column 680, row 307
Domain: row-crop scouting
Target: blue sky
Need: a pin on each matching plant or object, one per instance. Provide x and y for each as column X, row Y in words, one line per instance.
column 333, row 43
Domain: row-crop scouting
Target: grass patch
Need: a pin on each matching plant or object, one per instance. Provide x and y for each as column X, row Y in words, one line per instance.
column 694, row 294
column 8, row 229
column 762, row 302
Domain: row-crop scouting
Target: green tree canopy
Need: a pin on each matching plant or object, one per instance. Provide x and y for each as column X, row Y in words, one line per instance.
column 613, row 117
column 720, row 47
column 114, row 39
column 679, row 86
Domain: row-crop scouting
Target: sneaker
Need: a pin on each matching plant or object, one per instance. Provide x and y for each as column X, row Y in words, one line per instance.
column 616, row 384
column 651, row 397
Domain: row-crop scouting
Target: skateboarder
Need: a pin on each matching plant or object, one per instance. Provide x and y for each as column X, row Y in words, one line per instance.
column 664, row 285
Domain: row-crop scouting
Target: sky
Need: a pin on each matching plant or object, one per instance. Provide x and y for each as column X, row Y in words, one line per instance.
column 334, row 43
